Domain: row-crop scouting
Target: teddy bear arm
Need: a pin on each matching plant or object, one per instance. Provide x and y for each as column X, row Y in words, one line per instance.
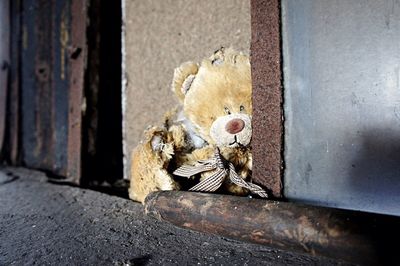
column 177, row 137
column 150, row 160
column 148, row 174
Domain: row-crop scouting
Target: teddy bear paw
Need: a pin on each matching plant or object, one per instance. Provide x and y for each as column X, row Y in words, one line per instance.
column 158, row 145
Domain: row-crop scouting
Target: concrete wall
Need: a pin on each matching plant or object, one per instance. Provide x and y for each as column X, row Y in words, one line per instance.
column 159, row 36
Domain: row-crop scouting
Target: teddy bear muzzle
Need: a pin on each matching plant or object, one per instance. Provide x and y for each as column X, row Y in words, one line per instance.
column 232, row 130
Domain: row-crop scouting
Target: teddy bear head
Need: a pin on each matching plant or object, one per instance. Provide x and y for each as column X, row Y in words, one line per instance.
column 216, row 97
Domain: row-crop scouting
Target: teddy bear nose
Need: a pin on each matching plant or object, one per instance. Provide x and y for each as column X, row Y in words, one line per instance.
column 234, row 126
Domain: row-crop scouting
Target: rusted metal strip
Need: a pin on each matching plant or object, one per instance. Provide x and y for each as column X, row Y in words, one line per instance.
column 77, row 60
column 267, row 94
column 4, row 64
column 346, row 235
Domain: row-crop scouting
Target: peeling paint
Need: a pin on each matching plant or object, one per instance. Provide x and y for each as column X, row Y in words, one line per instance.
column 64, row 39
column 24, row 38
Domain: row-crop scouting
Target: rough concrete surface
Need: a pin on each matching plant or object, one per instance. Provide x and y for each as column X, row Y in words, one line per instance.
column 161, row 35
column 43, row 223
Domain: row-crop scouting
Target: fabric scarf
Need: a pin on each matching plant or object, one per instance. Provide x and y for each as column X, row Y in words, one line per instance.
column 222, row 169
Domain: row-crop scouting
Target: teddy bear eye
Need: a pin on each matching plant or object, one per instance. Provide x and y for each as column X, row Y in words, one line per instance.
column 227, row 111
column 241, row 108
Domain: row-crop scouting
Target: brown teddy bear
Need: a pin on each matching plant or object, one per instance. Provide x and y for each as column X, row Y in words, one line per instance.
column 203, row 145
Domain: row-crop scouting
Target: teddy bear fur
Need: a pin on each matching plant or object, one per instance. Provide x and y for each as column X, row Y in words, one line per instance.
column 211, row 94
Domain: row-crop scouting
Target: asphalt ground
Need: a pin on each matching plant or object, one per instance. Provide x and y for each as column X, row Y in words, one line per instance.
column 43, row 223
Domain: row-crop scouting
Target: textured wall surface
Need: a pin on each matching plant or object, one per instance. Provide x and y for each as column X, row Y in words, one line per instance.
column 159, row 36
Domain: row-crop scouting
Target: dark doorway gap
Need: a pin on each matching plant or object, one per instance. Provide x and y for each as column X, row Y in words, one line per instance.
column 102, row 166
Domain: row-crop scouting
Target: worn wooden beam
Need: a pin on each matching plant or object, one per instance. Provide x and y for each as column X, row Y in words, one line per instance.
column 346, row 235
column 267, row 94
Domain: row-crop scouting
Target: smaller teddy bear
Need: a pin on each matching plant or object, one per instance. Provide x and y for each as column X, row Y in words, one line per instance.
column 203, row 145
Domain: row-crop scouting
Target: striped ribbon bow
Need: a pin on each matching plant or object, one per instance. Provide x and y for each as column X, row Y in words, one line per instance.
column 222, row 171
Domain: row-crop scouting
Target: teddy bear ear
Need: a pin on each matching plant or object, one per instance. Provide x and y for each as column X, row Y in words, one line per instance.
column 229, row 55
column 183, row 79
column 218, row 57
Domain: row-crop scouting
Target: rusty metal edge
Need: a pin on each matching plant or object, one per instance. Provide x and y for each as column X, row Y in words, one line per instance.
column 77, row 69
column 267, row 141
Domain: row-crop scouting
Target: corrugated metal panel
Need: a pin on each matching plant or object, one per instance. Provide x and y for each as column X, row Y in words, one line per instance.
column 4, row 63
column 342, row 103
column 13, row 97
column 37, row 94
column 53, row 57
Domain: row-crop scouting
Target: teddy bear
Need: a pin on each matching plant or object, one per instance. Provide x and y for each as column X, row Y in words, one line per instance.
column 204, row 143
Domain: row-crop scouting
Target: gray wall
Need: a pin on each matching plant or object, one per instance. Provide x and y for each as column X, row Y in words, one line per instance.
column 159, row 36
column 342, row 103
